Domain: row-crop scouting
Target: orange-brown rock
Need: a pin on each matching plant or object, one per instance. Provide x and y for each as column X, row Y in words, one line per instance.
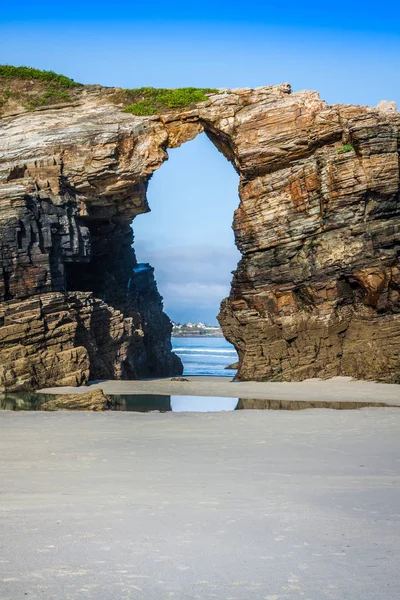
column 317, row 292
column 96, row 401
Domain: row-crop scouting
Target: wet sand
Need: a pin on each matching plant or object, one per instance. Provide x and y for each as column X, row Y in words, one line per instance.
column 337, row 389
column 247, row 505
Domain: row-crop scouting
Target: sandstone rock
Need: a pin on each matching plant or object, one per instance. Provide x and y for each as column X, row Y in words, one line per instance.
column 95, row 400
column 316, row 293
column 387, row 106
column 233, row 366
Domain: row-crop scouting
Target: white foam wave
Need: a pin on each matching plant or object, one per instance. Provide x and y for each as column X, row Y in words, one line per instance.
column 204, row 350
column 197, row 357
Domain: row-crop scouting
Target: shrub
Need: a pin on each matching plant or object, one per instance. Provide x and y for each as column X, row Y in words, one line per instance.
column 9, row 72
column 150, row 101
column 345, row 148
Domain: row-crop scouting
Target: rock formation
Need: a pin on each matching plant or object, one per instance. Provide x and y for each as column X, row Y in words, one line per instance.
column 95, row 400
column 258, row 404
column 316, row 293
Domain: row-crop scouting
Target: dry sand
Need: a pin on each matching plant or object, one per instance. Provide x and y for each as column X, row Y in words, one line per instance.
column 343, row 389
column 247, row 505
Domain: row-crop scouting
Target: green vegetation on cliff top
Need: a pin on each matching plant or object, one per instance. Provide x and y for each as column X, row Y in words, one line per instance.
column 151, row 101
column 33, row 88
column 55, row 79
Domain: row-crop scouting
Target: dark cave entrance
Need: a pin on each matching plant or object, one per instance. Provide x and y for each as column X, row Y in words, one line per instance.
column 109, row 268
column 118, row 309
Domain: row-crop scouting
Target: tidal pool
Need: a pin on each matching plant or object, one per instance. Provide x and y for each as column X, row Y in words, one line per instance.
column 164, row 403
column 131, row 402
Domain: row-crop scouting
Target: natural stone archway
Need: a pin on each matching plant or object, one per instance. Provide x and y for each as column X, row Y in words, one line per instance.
column 315, row 294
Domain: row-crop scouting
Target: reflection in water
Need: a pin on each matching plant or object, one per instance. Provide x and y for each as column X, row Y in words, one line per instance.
column 131, row 402
column 202, row 403
column 163, row 403
column 146, row 403
column 141, row 402
column 22, row 401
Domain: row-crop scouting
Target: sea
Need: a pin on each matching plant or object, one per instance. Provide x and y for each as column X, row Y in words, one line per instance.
column 205, row 355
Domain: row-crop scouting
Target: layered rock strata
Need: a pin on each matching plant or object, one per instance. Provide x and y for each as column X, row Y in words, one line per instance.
column 75, row 304
column 95, row 400
column 316, row 293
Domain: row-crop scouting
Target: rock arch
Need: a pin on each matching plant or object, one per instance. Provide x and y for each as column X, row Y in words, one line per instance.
column 315, row 294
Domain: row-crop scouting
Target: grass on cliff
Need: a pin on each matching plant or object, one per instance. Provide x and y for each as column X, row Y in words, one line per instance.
column 52, row 96
column 151, row 101
column 32, row 88
column 29, row 88
column 57, row 80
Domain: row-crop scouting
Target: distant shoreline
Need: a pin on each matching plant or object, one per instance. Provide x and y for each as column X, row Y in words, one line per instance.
column 196, row 330
column 197, row 334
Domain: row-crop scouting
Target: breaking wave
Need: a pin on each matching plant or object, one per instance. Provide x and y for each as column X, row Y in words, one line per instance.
column 206, row 356
column 204, row 350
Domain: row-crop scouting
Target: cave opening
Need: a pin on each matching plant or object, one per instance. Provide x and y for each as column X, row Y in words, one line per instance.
column 109, row 263
column 184, row 247
column 188, row 239
column 117, row 307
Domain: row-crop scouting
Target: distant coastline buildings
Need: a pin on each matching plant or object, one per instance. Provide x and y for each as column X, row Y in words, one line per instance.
column 194, row 329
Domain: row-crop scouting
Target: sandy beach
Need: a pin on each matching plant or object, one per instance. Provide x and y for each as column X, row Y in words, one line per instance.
column 247, row 505
column 337, row 389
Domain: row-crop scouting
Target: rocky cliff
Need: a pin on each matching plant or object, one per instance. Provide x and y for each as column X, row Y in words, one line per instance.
column 316, row 293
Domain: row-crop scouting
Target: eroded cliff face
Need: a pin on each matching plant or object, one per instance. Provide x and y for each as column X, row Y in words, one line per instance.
column 76, row 305
column 317, row 292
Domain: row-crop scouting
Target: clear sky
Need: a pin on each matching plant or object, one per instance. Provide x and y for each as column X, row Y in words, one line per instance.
column 349, row 52
column 187, row 236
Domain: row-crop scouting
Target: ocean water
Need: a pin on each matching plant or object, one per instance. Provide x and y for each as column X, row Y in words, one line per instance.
column 205, row 355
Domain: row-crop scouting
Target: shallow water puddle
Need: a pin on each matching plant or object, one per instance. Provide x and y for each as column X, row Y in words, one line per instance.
column 165, row 403
column 148, row 403
column 131, row 402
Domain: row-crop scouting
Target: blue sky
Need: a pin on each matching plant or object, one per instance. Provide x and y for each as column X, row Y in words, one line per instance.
column 187, row 236
column 349, row 52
